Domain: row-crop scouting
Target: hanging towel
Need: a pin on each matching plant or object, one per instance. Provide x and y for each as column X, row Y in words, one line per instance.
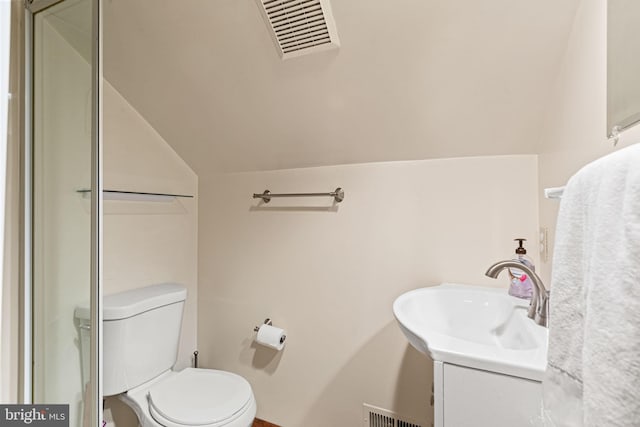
column 593, row 373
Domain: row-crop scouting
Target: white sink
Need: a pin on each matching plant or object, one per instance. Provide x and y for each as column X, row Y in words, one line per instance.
column 474, row 326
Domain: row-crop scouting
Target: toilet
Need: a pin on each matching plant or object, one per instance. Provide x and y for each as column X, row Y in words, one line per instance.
column 141, row 332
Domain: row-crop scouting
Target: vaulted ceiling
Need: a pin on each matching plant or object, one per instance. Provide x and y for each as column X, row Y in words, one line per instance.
column 413, row 79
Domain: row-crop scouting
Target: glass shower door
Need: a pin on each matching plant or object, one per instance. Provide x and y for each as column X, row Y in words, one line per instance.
column 63, row 236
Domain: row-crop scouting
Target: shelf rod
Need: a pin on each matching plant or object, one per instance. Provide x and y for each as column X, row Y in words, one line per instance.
column 266, row 196
column 137, row 192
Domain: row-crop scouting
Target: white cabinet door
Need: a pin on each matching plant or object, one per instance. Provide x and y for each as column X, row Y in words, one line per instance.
column 474, row 398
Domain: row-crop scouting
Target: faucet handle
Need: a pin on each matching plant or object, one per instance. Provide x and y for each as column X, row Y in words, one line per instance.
column 542, row 312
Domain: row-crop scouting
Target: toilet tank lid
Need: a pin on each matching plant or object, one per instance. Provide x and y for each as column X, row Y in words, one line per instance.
column 129, row 303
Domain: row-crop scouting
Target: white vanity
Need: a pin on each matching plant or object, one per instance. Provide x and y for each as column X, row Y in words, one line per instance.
column 489, row 357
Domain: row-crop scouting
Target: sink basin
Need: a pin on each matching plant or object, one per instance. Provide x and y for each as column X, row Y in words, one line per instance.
column 474, row 326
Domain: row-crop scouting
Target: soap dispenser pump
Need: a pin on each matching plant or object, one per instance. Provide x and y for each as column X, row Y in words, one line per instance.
column 521, row 285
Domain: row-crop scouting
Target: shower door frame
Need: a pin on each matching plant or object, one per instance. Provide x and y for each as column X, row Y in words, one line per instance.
column 32, row 7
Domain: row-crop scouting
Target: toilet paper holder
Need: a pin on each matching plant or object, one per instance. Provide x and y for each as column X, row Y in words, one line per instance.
column 268, row 321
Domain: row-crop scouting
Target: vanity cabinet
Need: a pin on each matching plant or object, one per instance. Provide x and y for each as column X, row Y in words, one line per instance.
column 467, row 397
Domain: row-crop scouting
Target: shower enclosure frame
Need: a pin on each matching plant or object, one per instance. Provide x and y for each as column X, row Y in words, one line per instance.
column 32, row 8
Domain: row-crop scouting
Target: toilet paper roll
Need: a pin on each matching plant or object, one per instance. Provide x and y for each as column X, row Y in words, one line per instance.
column 270, row 336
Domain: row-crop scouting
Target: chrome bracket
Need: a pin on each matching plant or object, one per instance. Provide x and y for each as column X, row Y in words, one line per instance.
column 267, row 321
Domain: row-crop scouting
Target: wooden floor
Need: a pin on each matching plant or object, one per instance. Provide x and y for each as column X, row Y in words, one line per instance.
column 260, row 423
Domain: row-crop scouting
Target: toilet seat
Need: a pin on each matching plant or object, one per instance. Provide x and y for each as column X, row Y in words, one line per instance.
column 199, row 397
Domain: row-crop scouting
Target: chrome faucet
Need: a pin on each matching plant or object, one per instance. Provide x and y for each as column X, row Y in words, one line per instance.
column 539, row 307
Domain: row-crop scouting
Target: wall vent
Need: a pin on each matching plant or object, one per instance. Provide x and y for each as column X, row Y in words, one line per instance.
column 300, row 27
column 378, row 417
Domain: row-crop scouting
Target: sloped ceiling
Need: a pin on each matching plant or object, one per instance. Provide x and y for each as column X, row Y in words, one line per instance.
column 413, row 79
column 72, row 20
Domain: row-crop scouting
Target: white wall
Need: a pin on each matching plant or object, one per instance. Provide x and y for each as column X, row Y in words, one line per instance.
column 330, row 275
column 575, row 129
column 147, row 242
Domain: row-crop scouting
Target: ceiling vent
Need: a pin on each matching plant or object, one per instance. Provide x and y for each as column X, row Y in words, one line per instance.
column 300, row 27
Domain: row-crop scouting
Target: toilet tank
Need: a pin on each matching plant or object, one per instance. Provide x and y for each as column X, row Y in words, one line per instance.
column 141, row 333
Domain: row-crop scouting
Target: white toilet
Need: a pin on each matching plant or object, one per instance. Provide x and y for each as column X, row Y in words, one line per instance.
column 141, row 331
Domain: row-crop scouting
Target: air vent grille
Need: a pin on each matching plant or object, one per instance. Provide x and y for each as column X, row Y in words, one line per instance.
column 378, row 417
column 299, row 27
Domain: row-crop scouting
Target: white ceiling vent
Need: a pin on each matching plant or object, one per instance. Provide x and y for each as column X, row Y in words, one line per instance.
column 300, row 27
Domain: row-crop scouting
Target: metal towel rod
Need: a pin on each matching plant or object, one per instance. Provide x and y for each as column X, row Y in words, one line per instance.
column 266, row 196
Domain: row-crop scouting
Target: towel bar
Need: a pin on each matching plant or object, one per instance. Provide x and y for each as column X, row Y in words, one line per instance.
column 553, row 193
column 266, row 195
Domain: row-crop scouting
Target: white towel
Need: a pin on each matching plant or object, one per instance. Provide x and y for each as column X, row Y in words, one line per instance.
column 593, row 374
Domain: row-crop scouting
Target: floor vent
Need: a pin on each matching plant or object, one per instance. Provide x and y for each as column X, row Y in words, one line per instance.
column 378, row 417
column 300, row 27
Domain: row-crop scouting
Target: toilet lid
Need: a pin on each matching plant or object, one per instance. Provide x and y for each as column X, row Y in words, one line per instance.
column 200, row 396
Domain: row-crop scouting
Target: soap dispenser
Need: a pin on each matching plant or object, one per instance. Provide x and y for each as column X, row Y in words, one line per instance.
column 521, row 285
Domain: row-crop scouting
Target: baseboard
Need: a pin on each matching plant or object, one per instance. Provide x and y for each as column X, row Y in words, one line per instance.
column 262, row 423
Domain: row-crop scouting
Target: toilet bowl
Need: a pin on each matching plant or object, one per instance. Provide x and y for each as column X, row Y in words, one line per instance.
column 141, row 332
column 193, row 397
